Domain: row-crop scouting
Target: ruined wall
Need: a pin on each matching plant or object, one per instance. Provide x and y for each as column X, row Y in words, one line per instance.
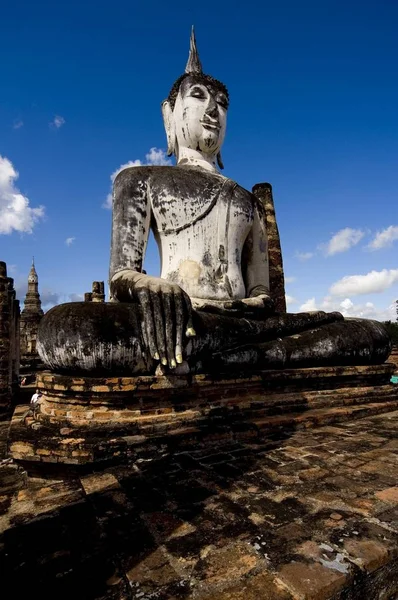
column 9, row 339
column 28, row 336
column 393, row 358
column 97, row 294
column 263, row 191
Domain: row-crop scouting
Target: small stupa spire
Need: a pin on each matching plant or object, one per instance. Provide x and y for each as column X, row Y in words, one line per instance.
column 32, row 300
column 32, row 273
column 194, row 66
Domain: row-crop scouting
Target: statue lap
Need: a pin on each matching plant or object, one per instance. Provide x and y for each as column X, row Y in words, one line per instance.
column 99, row 338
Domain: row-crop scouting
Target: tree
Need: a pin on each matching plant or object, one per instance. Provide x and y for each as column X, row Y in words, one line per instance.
column 392, row 329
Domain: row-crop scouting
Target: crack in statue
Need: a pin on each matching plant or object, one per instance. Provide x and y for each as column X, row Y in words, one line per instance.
column 211, row 308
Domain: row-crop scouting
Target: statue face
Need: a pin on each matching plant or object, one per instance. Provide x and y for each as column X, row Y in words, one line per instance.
column 200, row 116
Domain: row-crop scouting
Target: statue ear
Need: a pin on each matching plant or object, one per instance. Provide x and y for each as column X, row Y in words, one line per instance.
column 168, row 120
column 219, row 160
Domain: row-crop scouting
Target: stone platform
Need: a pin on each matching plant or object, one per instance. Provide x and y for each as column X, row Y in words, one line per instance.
column 84, row 421
column 312, row 515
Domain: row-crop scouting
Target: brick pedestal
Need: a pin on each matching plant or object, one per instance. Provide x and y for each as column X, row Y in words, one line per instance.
column 83, row 420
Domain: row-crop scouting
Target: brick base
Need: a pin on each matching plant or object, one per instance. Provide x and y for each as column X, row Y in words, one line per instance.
column 90, row 420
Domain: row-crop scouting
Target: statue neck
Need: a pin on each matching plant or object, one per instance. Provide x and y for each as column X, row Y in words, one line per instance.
column 194, row 158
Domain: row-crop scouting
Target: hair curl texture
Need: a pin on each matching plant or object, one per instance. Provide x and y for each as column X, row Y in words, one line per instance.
column 172, row 97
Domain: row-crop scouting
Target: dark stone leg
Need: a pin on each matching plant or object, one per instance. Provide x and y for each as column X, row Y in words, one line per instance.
column 349, row 342
column 93, row 338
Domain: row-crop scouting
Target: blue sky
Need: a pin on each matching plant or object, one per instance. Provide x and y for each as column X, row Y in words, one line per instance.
column 314, row 96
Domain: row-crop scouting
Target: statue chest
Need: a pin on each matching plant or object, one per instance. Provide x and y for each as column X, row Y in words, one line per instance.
column 204, row 211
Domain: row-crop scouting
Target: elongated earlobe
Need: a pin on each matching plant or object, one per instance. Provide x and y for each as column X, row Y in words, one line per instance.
column 219, row 161
column 168, row 121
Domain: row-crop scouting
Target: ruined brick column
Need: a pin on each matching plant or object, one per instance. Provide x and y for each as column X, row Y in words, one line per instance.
column 98, row 294
column 263, row 191
column 9, row 352
column 14, row 336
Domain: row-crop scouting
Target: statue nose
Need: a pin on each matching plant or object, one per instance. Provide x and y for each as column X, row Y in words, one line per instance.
column 212, row 109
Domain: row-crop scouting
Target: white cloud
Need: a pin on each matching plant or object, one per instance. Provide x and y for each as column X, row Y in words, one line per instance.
column 342, row 241
column 15, row 212
column 349, row 309
column 309, row 305
column 290, row 300
column 373, row 282
column 347, row 304
column 76, row 297
column 69, row 241
column 57, row 122
column 49, row 298
column 18, row 123
column 155, row 156
column 384, row 238
column 304, row 255
column 290, row 279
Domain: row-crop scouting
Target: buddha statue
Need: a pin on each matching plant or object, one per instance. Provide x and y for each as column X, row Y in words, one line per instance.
column 211, row 308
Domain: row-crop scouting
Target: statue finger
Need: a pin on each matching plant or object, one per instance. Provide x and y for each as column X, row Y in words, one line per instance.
column 269, row 302
column 158, row 319
column 143, row 303
column 147, row 324
column 168, row 309
column 190, row 330
column 234, row 305
column 179, row 322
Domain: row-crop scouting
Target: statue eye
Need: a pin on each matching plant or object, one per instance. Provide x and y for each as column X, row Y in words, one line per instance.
column 222, row 99
column 197, row 93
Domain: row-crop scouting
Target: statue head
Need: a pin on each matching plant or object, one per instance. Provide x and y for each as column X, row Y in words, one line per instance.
column 195, row 112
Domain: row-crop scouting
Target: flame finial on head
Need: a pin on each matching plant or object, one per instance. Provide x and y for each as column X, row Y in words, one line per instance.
column 194, row 65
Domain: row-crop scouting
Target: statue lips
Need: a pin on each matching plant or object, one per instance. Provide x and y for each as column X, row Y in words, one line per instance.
column 212, row 124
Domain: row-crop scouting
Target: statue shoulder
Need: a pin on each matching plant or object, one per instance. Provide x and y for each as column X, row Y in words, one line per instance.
column 132, row 175
column 245, row 195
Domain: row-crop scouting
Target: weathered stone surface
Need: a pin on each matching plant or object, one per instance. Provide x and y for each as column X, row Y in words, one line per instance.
column 299, row 515
column 106, row 338
column 263, row 191
column 311, row 581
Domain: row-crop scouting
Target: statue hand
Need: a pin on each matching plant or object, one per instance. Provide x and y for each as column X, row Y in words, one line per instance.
column 166, row 311
column 258, row 307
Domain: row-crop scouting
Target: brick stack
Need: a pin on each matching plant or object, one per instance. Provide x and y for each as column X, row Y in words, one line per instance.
column 263, row 191
column 9, row 339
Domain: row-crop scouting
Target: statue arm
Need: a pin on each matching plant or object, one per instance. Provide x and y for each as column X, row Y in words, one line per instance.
column 165, row 308
column 131, row 214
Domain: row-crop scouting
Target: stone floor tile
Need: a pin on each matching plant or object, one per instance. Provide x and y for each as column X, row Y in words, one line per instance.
column 389, row 495
column 311, row 581
column 222, row 566
column 258, row 587
column 99, row 482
